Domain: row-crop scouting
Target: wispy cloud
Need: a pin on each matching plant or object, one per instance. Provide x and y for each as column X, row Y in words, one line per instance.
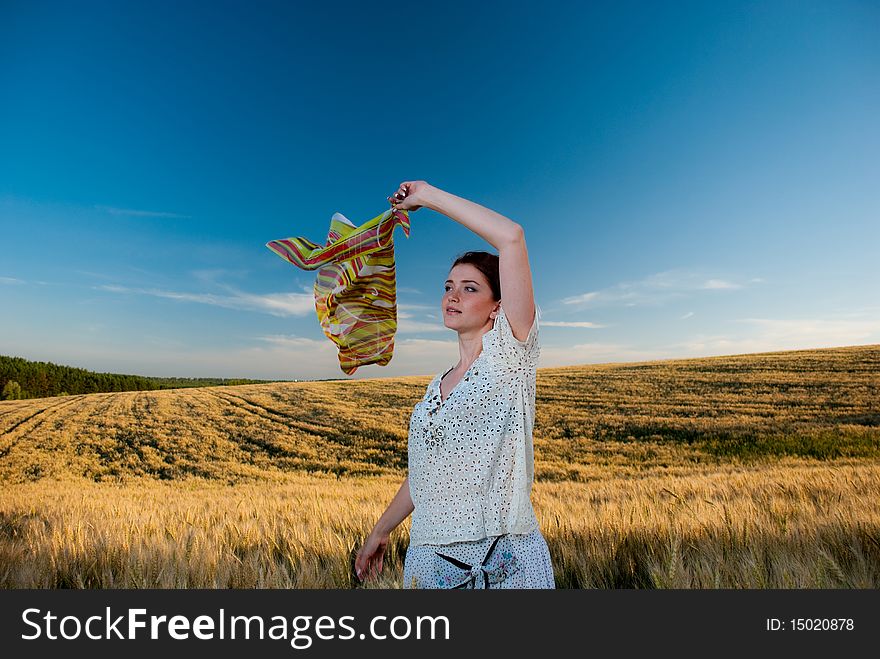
column 11, row 280
column 211, row 275
column 563, row 323
column 583, row 298
column 139, row 213
column 91, row 273
column 758, row 335
column 406, row 324
column 687, row 315
column 434, row 323
column 420, row 307
column 294, row 341
column 596, row 353
column 276, row 304
column 263, row 361
column 816, row 331
column 653, row 290
column 302, row 357
column 776, row 334
column 319, row 358
column 719, row 283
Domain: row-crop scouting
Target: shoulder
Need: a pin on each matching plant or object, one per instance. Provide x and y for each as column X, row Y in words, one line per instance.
column 503, row 345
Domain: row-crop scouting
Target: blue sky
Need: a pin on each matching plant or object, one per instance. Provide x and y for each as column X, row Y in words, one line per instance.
column 694, row 178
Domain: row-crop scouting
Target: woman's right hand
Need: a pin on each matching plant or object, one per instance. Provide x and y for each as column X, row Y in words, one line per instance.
column 370, row 557
column 411, row 195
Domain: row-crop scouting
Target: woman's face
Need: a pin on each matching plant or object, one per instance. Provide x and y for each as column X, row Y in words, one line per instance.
column 467, row 299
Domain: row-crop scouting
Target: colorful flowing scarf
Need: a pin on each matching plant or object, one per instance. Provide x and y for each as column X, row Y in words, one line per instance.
column 355, row 290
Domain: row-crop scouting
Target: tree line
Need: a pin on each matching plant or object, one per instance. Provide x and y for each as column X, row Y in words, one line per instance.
column 21, row 378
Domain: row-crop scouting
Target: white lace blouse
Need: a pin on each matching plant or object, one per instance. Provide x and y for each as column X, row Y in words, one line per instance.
column 471, row 463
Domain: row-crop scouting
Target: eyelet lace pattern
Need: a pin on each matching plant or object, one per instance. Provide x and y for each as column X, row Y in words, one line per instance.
column 471, row 462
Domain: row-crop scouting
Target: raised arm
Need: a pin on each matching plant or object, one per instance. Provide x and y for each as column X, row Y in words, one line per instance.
column 505, row 235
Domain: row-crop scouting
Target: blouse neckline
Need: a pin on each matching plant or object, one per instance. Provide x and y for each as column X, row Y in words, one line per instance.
column 464, row 377
column 439, row 395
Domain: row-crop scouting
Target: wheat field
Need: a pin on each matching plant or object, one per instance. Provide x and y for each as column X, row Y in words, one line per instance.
column 746, row 471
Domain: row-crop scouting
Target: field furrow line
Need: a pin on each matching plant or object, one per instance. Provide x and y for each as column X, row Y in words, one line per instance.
column 274, row 416
column 29, row 414
column 260, row 445
column 50, row 408
column 39, row 417
column 8, row 408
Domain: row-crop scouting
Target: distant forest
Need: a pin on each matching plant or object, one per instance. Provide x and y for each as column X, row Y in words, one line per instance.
column 20, row 378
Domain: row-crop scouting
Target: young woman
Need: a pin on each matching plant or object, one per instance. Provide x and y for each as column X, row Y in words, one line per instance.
column 470, row 437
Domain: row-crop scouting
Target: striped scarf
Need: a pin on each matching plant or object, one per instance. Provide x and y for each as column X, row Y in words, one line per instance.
column 355, row 290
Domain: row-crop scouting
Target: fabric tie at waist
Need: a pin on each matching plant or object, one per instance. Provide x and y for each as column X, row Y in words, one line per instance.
column 356, row 286
column 504, row 563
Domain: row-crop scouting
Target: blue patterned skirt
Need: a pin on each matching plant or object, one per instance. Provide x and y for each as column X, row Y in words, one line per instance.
column 504, row 561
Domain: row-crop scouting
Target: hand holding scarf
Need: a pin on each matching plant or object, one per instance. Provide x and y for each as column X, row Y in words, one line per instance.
column 356, row 289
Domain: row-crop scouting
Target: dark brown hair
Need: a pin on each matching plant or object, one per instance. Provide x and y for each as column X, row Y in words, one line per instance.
column 486, row 263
